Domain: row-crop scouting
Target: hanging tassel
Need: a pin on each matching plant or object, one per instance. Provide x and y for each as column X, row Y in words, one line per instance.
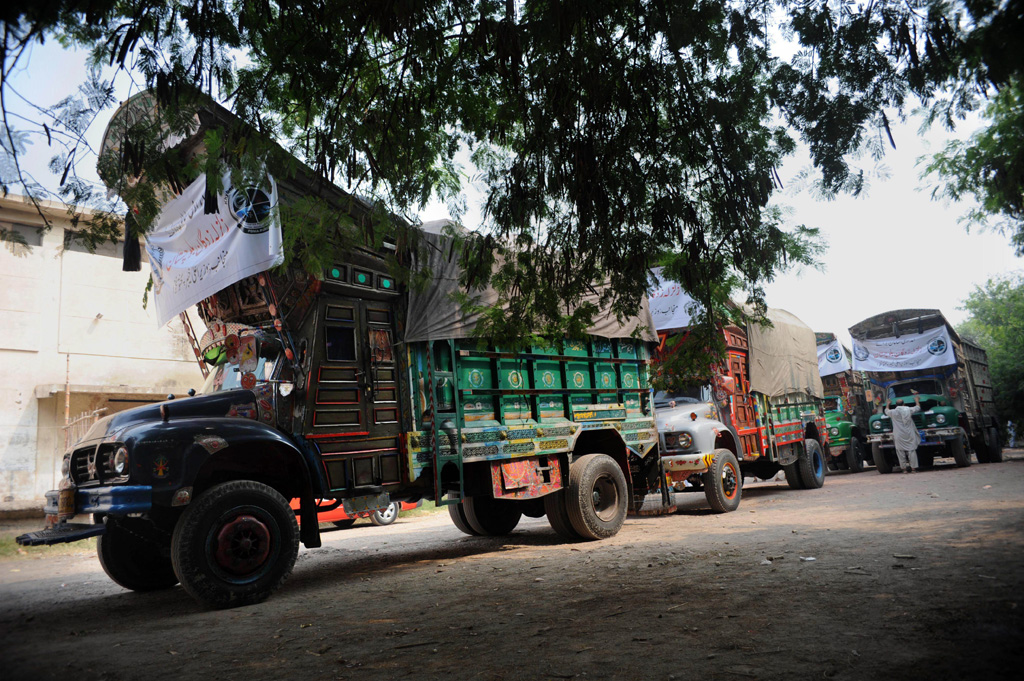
column 210, row 203
column 132, row 254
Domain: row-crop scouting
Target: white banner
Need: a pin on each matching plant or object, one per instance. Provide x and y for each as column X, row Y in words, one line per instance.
column 671, row 306
column 912, row 351
column 832, row 359
column 194, row 255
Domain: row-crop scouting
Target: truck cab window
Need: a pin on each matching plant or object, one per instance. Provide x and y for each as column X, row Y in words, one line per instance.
column 341, row 344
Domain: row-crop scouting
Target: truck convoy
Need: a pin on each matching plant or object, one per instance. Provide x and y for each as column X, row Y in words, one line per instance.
column 345, row 386
column 761, row 412
column 908, row 351
column 846, row 409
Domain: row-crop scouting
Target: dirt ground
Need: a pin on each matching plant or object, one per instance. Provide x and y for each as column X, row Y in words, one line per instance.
column 912, row 577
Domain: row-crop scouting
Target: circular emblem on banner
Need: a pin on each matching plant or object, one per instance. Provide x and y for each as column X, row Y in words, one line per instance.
column 515, row 379
column 937, row 346
column 860, row 352
column 548, row 379
column 577, row 379
column 251, row 206
column 834, row 355
column 476, row 379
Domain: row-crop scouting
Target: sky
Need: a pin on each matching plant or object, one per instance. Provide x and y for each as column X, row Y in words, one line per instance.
column 892, row 247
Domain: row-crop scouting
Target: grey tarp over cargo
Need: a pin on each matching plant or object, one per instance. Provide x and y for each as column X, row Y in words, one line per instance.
column 783, row 357
column 433, row 315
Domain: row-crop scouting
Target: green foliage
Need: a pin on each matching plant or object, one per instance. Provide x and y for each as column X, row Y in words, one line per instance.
column 996, row 323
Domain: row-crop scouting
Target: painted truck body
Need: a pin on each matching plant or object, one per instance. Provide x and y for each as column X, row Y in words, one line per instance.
column 846, row 411
column 957, row 415
column 345, row 386
column 712, row 440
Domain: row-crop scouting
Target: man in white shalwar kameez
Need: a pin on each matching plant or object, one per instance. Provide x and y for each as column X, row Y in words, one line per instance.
column 904, row 433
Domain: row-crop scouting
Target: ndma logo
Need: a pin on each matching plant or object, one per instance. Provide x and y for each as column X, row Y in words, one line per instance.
column 251, row 206
column 834, row 355
column 860, row 352
column 937, row 346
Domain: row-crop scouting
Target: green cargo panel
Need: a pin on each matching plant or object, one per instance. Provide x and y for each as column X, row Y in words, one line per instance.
column 577, row 376
column 607, row 379
column 627, row 349
column 602, row 347
column 548, row 376
column 573, row 348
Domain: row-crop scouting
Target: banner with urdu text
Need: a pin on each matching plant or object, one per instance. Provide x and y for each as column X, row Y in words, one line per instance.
column 671, row 306
column 911, row 351
column 193, row 254
column 832, row 359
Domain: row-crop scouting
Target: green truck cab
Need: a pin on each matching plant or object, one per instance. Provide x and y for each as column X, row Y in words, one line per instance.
column 846, row 408
column 917, row 350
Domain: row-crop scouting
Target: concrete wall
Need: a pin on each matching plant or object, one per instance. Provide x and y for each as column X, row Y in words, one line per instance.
column 69, row 315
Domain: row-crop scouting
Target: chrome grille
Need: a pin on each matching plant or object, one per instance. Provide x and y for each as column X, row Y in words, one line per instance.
column 92, row 465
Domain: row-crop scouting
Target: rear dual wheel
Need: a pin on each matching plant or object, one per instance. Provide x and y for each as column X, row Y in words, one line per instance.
column 485, row 516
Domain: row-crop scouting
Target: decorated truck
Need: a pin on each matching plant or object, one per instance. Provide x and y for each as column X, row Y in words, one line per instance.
column 760, row 412
column 846, row 408
column 917, row 351
column 343, row 385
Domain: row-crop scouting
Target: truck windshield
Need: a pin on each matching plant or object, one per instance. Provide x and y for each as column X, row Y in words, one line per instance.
column 831, row 404
column 228, row 377
column 680, row 396
column 925, row 387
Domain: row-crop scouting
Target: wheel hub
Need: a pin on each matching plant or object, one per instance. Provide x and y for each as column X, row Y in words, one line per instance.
column 243, row 545
column 729, row 484
column 606, row 498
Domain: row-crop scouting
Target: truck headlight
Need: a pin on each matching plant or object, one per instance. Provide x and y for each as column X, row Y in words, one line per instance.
column 119, row 462
column 685, row 440
column 834, row 431
column 877, row 425
column 940, row 419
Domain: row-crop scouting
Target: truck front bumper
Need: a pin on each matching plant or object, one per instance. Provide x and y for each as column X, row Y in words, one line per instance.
column 933, row 437
column 687, row 463
column 67, row 503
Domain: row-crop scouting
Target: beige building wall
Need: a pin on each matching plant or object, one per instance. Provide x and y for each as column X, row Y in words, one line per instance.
column 72, row 320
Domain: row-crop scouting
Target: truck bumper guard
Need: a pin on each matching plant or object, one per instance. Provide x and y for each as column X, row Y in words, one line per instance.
column 120, row 500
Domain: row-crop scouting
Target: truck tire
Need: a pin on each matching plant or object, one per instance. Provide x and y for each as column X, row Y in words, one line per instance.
column 235, row 544
column 132, row 561
column 811, row 465
column 723, row 483
column 558, row 515
column 855, row 455
column 458, row 516
column 995, row 450
column 792, row 472
column 386, row 516
column 881, row 461
column 598, row 496
column 491, row 517
column 959, row 453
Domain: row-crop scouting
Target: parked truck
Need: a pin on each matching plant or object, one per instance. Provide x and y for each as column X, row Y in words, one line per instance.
column 846, row 409
column 758, row 413
column 344, row 385
column 917, row 351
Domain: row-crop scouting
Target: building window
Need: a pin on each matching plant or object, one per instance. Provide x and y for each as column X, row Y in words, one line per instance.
column 32, row 236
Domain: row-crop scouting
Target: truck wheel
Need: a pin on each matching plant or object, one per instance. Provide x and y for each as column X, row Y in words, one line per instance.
column 558, row 515
column 458, row 515
column 855, row 456
column 995, row 450
column 597, row 496
column 235, row 544
column 491, row 517
column 959, row 453
column 881, row 462
column 812, row 465
column 386, row 516
column 131, row 561
column 792, row 472
column 723, row 483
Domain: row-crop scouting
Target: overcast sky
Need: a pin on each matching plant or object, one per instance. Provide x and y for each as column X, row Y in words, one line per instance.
column 888, row 249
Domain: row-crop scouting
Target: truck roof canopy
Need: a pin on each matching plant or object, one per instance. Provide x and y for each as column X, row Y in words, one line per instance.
column 895, row 323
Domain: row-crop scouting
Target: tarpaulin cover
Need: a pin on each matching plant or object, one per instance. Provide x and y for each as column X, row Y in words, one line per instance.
column 783, row 357
column 434, row 315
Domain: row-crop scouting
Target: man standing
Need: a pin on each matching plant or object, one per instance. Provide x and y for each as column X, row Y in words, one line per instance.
column 904, row 433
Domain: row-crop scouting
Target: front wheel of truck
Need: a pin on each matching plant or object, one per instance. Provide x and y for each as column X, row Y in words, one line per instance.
column 722, row 483
column 491, row 517
column 812, row 465
column 235, row 544
column 959, row 453
column 597, row 496
column 131, row 560
column 878, row 456
column 855, row 455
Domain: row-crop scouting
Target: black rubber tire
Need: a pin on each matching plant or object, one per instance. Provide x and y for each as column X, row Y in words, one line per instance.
column 811, row 465
column 458, row 516
column 996, row 449
column 132, row 561
column 491, row 517
column 880, row 459
column 344, row 524
column 723, row 483
column 387, row 516
column 235, row 522
column 558, row 515
column 598, row 496
column 792, row 472
column 532, row 508
column 980, row 449
column 959, row 453
column 855, row 455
